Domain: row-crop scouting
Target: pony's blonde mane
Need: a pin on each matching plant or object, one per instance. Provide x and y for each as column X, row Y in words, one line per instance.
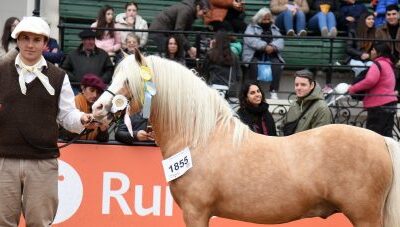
column 184, row 104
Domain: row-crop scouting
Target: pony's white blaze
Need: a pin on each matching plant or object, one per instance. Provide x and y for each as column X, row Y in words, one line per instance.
column 241, row 175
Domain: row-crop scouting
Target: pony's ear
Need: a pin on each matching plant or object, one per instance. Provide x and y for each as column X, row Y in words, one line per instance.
column 138, row 56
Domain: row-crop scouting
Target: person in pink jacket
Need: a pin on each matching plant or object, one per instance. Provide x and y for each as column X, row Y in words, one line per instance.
column 381, row 99
column 109, row 41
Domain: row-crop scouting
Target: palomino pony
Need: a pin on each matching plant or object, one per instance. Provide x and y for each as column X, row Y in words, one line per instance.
column 240, row 175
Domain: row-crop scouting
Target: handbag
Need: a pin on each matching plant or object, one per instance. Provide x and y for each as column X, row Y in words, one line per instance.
column 264, row 71
column 290, row 127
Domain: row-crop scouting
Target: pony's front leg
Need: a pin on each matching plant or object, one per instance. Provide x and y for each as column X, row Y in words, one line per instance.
column 196, row 219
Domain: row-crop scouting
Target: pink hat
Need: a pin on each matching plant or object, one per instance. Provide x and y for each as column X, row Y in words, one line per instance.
column 91, row 80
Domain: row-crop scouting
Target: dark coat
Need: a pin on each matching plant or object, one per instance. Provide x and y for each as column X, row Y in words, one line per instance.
column 219, row 74
column 382, row 33
column 77, row 64
column 178, row 17
column 353, row 49
column 352, row 10
column 253, row 117
column 55, row 58
column 122, row 134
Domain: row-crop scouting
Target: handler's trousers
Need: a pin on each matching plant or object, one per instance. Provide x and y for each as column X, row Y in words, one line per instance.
column 30, row 186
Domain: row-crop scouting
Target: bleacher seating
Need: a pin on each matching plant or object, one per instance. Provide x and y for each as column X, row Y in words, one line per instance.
column 297, row 52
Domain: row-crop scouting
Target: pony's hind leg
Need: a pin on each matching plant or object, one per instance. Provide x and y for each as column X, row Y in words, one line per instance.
column 368, row 224
column 195, row 218
column 363, row 218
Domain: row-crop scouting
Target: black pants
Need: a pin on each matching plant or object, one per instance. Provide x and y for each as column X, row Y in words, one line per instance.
column 381, row 119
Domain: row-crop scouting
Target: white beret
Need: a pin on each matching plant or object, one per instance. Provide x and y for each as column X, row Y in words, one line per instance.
column 34, row 25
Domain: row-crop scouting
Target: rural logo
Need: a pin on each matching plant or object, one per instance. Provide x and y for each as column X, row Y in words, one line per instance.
column 70, row 192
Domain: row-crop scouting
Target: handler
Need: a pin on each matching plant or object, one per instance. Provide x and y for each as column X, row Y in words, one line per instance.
column 34, row 96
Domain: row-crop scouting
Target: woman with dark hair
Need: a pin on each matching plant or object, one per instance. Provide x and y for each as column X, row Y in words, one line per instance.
column 379, row 86
column 253, row 110
column 174, row 50
column 130, row 19
column 359, row 51
column 109, row 41
column 222, row 66
column 8, row 43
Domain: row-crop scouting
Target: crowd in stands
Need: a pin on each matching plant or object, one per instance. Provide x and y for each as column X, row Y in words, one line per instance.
column 90, row 66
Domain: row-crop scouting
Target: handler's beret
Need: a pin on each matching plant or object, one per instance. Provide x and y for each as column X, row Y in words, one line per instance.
column 91, row 80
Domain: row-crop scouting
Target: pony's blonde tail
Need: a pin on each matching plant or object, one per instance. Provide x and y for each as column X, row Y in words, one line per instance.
column 392, row 205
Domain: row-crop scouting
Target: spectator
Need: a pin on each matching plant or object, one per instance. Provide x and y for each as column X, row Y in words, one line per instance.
column 139, row 131
column 227, row 11
column 174, row 50
column 178, row 17
column 52, row 52
column 132, row 43
column 359, row 51
column 35, row 95
column 7, row 42
column 256, row 47
column 390, row 31
column 323, row 19
column 87, row 58
column 132, row 20
column 309, row 102
column 289, row 12
column 109, row 41
column 221, row 65
column 381, row 11
column 254, row 111
column 91, row 88
column 380, row 100
column 350, row 12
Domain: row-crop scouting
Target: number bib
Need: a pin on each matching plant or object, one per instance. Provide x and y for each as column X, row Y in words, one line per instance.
column 177, row 165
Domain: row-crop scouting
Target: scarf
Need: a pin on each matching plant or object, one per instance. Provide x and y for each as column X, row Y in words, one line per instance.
column 25, row 70
column 257, row 117
column 84, row 106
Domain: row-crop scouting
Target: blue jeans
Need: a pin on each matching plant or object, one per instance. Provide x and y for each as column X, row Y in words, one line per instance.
column 285, row 21
column 320, row 20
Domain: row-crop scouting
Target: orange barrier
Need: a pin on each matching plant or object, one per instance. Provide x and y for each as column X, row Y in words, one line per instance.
column 110, row 185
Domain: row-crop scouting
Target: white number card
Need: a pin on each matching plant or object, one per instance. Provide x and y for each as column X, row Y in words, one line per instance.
column 177, row 165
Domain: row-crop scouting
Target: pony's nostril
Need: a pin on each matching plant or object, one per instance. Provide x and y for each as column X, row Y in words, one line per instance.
column 99, row 107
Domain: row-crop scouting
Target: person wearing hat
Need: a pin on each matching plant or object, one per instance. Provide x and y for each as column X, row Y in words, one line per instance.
column 87, row 58
column 92, row 87
column 34, row 96
column 309, row 104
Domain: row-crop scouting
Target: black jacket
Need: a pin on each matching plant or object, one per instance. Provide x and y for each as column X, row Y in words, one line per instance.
column 122, row 134
column 253, row 117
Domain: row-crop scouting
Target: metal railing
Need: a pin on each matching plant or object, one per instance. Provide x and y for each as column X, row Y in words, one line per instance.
column 344, row 111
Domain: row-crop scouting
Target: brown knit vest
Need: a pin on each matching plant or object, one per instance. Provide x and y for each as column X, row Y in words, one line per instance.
column 28, row 122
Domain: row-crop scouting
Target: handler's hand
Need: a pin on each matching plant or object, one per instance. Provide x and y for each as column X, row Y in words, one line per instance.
column 86, row 119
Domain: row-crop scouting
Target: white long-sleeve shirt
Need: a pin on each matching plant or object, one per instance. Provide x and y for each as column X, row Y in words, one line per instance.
column 68, row 116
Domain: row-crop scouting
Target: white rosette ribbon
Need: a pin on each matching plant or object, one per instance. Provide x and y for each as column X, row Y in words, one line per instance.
column 119, row 103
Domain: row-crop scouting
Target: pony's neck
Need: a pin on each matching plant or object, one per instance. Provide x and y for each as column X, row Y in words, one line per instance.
column 169, row 142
